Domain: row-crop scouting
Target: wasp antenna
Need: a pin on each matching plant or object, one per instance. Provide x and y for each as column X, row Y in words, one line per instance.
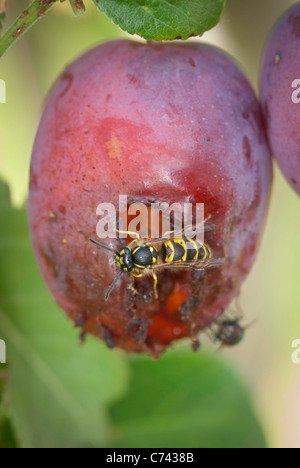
column 104, row 247
column 113, row 285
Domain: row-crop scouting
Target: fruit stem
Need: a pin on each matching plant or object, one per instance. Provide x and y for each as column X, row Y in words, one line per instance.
column 27, row 18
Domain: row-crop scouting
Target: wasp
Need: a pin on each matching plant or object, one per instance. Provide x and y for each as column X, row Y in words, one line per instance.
column 140, row 258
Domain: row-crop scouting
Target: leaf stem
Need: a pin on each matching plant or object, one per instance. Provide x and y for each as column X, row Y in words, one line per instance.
column 27, row 18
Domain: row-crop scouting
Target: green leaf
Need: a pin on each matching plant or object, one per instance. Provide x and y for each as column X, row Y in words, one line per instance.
column 2, row 18
column 163, row 19
column 57, row 391
column 185, row 401
column 7, row 436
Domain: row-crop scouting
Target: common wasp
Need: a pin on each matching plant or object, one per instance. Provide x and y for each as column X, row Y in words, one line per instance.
column 179, row 252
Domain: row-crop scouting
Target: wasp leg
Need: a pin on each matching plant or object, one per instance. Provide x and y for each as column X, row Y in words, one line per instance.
column 130, row 233
column 155, row 281
column 131, row 288
column 137, row 275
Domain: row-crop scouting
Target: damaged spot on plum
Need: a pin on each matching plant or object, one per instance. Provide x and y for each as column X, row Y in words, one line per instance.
column 68, row 79
column 71, row 286
column 256, row 199
column 267, row 116
column 294, row 21
column 192, row 62
column 247, row 148
column 258, row 119
column 294, row 182
column 187, row 307
column 138, row 327
column 135, row 81
column 114, row 146
column 52, row 216
column 81, row 320
column 277, row 58
column 49, row 257
column 33, row 181
column 62, row 209
column 107, row 336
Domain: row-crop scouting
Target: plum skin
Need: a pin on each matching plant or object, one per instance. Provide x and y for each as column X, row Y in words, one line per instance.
column 280, row 68
column 163, row 122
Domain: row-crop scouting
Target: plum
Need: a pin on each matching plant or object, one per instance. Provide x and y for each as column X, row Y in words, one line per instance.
column 157, row 122
column 280, row 94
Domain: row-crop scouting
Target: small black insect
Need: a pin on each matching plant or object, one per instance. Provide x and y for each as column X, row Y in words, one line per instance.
column 229, row 332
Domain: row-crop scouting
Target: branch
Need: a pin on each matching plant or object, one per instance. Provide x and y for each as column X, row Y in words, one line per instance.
column 27, row 18
column 77, row 7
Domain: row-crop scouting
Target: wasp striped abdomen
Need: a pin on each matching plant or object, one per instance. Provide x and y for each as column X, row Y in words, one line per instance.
column 184, row 250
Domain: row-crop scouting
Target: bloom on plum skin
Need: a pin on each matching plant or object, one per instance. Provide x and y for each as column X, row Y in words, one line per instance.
column 280, row 75
column 158, row 122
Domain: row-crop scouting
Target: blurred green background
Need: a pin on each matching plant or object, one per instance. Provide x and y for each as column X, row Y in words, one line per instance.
column 54, row 393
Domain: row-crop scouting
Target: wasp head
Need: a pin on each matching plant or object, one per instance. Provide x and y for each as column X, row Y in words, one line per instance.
column 124, row 259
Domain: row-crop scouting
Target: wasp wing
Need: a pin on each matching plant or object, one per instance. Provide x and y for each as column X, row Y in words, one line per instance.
column 180, row 233
column 200, row 265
